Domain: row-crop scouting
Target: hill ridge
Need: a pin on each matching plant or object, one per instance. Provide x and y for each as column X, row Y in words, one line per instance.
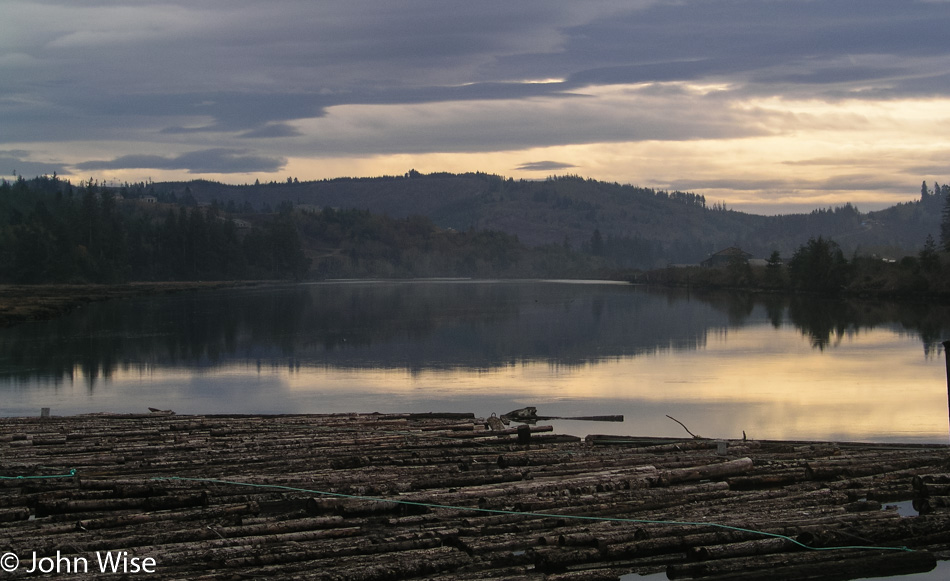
column 677, row 227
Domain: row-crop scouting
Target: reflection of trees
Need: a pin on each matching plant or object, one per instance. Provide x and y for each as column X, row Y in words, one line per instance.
column 419, row 325
column 826, row 321
column 737, row 306
column 821, row 320
column 775, row 309
column 402, row 325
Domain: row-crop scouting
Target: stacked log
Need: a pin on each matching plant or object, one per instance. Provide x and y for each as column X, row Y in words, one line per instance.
column 449, row 496
column 931, row 493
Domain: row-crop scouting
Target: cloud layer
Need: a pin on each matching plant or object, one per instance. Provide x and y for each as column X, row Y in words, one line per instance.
column 236, row 89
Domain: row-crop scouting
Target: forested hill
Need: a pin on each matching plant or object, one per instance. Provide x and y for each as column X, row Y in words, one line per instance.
column 647, row 227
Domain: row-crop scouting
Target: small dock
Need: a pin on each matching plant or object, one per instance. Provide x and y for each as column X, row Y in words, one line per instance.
column 446, row 497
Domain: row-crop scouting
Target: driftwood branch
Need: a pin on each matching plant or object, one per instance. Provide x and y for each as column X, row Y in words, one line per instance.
column 684, row 427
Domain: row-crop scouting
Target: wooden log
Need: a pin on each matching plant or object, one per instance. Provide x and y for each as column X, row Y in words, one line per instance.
column 741, row 549
column 768, row 480
column 495, row 424
column 583, row 576
column 459, row 427
column 14, row 514
column 863, row 466
column 921, row 479
column 613, row 418
column 650, row 444
column 418, row 463
column 440, row 416
column 841, row 565
column 353, row 507
column 557, row 559
column 932, row 485
column 862, row 506
column 503, row 432
column 926, row 490
column 52, row 507
column 176, row 501
column 211, row 512
column 931, row 504
column 706, row 472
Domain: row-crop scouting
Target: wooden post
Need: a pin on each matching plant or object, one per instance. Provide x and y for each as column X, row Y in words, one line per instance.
column 946, row 354
column 524, row 434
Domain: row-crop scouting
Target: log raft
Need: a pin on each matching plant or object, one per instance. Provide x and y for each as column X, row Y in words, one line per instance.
column 453, row 496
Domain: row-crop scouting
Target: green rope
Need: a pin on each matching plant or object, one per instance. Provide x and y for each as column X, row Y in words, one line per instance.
column 530, row 514
column 72, row 472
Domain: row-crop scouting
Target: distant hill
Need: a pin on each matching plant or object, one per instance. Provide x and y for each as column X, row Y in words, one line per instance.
column 640, row 227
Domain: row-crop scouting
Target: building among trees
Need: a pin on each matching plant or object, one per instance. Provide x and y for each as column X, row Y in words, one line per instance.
column 726, row 257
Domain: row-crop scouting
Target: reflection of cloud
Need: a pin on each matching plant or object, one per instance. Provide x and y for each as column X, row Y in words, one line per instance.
column 768, row 382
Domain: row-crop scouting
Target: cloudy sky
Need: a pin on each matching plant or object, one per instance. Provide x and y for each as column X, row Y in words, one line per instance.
column 768, row 105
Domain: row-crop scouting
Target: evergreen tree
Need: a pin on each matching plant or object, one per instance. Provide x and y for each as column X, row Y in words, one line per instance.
column 819, row 266
column 597, row 243
column 929, row 259
column 945, row 221
column 773, row 270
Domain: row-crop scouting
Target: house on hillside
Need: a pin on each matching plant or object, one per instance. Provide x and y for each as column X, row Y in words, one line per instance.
column 725, row 257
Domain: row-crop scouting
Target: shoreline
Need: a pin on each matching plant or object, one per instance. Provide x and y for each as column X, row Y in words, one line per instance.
column 23, row 303
column 890, row 296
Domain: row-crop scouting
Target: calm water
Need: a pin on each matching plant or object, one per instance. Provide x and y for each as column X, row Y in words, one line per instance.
column 720, row 363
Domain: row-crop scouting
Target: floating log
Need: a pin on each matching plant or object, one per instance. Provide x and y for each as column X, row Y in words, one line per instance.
column 614, row 418
column 844, row 565
column 437, row 496
column 931, row 504
column 705, row 472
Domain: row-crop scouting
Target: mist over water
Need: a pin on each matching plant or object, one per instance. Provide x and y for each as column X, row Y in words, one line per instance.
column 722, row 363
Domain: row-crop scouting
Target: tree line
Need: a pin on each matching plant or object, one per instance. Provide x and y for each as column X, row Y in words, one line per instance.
column 820, row 266
column 52, row 231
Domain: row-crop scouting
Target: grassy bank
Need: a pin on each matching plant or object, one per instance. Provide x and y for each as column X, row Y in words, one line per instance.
column 21, row 303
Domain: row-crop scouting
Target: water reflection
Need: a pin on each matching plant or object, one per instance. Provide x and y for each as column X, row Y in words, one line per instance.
column 406, row 325
column 424, row 325
column 722, row 362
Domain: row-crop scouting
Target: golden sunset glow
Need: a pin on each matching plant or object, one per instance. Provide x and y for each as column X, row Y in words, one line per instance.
column 784, row 117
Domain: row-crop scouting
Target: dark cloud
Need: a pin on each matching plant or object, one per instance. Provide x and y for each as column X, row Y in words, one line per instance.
column 203, row 79
column 271, row 131
column 241, row 68
column 784, row 185
column 939, row 169
column 544, row 166
column 218, row 160
column 12, row 161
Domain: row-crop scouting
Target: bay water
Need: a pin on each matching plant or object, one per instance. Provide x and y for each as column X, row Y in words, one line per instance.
column 724, row 364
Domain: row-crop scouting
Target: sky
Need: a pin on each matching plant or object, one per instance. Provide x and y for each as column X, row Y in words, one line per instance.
column 769, row 106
